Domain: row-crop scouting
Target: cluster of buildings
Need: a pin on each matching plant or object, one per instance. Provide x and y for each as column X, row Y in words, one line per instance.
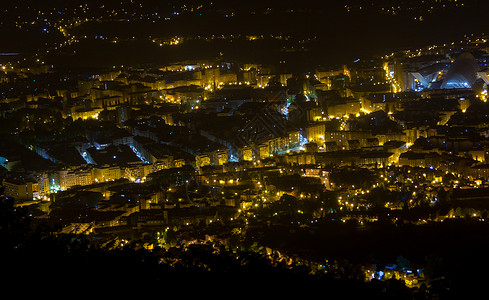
column 226, row 126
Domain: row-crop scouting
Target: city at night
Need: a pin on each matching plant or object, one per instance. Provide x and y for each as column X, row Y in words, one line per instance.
column 213, row 148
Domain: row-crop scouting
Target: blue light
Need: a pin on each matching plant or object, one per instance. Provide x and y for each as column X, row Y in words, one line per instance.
column 233, row 158
column 139, row 155
column 303, row 141
column 381, row 274
column 285, row 111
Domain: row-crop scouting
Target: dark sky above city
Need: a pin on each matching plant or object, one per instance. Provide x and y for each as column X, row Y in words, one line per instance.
column 325, row 32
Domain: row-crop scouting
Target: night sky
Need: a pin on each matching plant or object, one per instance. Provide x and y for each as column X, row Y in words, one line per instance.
column 339, row 33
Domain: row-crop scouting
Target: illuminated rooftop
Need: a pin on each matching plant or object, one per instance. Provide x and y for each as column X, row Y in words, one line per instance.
column 462, row 73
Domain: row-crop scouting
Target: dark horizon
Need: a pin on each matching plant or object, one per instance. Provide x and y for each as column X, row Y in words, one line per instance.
column 338, row 36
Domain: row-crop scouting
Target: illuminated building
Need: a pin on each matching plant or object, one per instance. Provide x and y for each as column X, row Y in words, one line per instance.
column 315, row 114
column 246, row 154
column 123, row 113
column 319, row 173
column 202, row 160
column 211, row 78
column 462, row 73
column 263, row 151
column 107, row 173
column 434, row 72
column 67, row 94
column 137, row 172
column 106, row 90
column 43, row 184
column 396, row 148
column 192, row 94
column 108, row 102
column 417, row 159
column 85, row 86
column 427, row 76
column 480, row 154
column 155, row 154
column 220, row 157
column 21, row 189
column 345, row 106
column 341, row 138
column 90, row 113
column 109, row 76
column 315, row 132
column 66, row 179
column 478, row 171
column 178, row 163
column 300, row 158
column 311, row 147
column 358, row 157
column 384, row 138
column 325, row 75
column 353, row 144
column 388, row 102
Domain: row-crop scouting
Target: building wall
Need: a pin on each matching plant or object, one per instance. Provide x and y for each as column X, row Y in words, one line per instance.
column 107, row 173
column 21, row 190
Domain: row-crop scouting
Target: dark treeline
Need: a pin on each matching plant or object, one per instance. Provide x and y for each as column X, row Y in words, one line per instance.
column 453, row 255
